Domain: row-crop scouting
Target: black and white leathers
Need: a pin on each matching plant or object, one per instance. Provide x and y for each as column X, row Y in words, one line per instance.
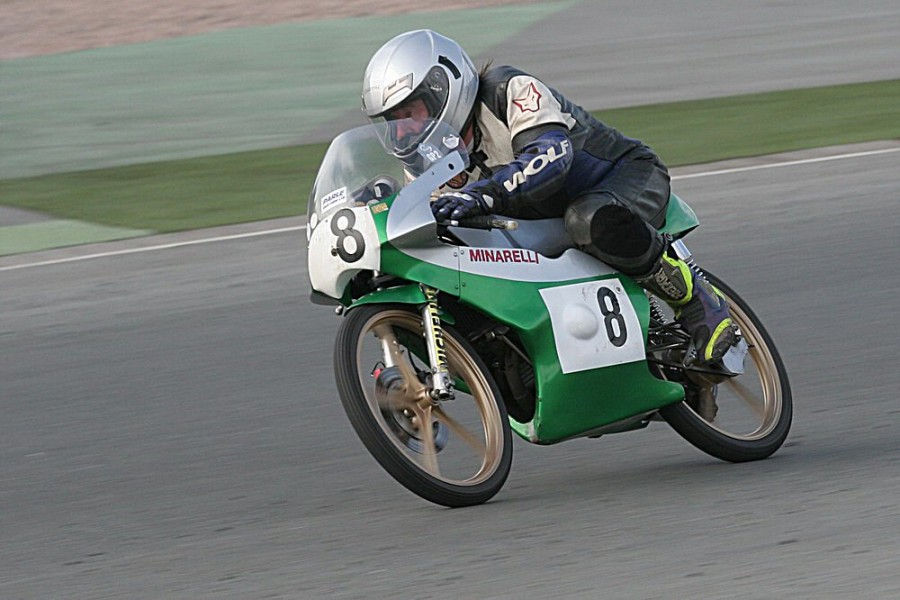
column 539, row 155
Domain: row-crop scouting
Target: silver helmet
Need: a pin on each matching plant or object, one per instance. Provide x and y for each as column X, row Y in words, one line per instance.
column 418, row 65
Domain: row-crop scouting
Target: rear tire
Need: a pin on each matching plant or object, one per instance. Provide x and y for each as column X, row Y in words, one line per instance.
column 753, row 411
column 464, row 455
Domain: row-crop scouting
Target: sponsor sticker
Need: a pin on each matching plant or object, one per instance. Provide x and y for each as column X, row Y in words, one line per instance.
column 430, row 152
column 332, row 199
column 503, row 256
column 378, row 208
column 536, row 165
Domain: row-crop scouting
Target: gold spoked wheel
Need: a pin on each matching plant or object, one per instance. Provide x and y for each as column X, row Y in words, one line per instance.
column 740, row 418
column 454, row 452
column 747, row 407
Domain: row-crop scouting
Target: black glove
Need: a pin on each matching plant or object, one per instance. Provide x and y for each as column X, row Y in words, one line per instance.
column 461, row 204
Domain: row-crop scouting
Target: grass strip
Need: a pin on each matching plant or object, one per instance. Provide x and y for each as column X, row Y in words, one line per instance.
column 700, row 131
column 248, row 186
column 177, row 195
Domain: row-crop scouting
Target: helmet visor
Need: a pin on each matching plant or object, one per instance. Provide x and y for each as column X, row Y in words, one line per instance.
column 403, row 127
column 436, row 141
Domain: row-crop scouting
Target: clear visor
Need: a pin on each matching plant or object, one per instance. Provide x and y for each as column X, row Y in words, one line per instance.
column 405, row 126
column 426, row 142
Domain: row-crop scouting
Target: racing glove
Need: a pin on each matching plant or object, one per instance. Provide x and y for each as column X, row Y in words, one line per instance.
column 462, row 204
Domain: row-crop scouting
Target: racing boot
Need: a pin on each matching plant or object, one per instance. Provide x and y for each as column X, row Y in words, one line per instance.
column 699, row 307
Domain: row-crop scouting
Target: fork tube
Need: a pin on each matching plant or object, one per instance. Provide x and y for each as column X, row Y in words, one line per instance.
column 681, row 250
column 442, row 384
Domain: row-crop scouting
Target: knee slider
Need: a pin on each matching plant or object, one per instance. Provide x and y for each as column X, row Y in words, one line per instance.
column 618, row 231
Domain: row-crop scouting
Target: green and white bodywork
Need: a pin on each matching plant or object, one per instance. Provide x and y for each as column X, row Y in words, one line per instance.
column 582, row 324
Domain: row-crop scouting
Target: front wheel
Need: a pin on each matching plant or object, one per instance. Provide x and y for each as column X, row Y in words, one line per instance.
column 742, row 418
column 454, row 452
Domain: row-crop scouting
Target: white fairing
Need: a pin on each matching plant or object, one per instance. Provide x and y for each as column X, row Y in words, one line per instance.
column 342, row 244
column 354, row 182
column 518, row 264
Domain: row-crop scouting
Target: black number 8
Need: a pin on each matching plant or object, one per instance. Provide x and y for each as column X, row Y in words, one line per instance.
column 612, row 315
column 343, row 233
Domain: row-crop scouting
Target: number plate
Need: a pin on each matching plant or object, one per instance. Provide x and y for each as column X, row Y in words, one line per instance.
column 594, row 325
column 343, row 244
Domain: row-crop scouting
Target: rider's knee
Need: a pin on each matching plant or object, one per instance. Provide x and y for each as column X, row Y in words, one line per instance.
column 614, row 233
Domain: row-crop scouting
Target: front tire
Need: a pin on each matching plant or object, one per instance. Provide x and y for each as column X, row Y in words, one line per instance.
column 463, row 455
column 743, row 418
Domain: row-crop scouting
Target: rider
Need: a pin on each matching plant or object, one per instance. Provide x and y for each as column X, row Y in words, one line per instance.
column 535, row 154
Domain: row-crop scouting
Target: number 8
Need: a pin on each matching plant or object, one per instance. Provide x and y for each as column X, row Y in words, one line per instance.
column 343, row 233
column 612, row 315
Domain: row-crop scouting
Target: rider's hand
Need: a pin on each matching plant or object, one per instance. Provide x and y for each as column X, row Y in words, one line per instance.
column 462, row 204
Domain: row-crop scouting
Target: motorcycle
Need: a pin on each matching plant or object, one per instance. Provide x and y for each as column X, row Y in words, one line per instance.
column 456, row 335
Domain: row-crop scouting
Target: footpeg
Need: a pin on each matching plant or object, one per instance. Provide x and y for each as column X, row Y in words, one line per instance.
column 733, row 361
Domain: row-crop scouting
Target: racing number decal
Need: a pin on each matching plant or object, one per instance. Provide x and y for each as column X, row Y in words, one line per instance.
column 347, row 231
column 343, row 243
column 612, row 317
column 594, row 325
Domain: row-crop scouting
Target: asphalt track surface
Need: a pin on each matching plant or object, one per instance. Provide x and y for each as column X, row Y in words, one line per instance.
column 171, row 430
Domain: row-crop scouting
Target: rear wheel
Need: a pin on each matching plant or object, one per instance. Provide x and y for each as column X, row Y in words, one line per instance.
column 453, row 453
column 741, row 418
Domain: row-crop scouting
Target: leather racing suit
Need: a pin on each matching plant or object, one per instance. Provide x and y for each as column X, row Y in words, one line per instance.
column 538, row 155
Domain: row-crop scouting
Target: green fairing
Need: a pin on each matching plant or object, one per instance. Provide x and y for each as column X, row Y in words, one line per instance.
column 623, row 391
column 397, row 263
column 680, row 218
column 402, row 265
column 404, row 294
column 380, row 218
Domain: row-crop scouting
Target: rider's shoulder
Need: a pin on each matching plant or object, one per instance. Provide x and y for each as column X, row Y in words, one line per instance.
column 496, row 85
column 500, row 75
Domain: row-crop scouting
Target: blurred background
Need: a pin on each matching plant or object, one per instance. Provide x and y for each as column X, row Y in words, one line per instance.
column 170, row 425
column 222, row 109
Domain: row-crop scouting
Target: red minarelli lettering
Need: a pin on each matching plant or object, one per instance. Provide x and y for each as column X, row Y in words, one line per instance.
column 503, row 256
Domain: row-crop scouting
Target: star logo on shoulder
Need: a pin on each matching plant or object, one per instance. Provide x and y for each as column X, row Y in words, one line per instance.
column 530, row 100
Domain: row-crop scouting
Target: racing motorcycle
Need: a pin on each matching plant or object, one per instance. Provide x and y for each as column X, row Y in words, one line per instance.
column 456, row 335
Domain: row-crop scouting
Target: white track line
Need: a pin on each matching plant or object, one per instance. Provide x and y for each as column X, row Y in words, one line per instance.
column 238, row 236
column 788, row 163
column 221, row 238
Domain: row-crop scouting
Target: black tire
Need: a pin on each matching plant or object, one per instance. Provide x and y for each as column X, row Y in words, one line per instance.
column 732, row 443
column 389, row 424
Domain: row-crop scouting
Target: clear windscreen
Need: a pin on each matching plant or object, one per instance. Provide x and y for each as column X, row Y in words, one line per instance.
column 358, row 169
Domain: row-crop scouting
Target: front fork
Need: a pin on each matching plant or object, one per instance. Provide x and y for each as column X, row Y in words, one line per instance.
column 442, row 383
column 682, row 252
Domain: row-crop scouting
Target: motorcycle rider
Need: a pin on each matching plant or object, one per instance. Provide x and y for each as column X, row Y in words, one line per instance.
column 535, row 154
